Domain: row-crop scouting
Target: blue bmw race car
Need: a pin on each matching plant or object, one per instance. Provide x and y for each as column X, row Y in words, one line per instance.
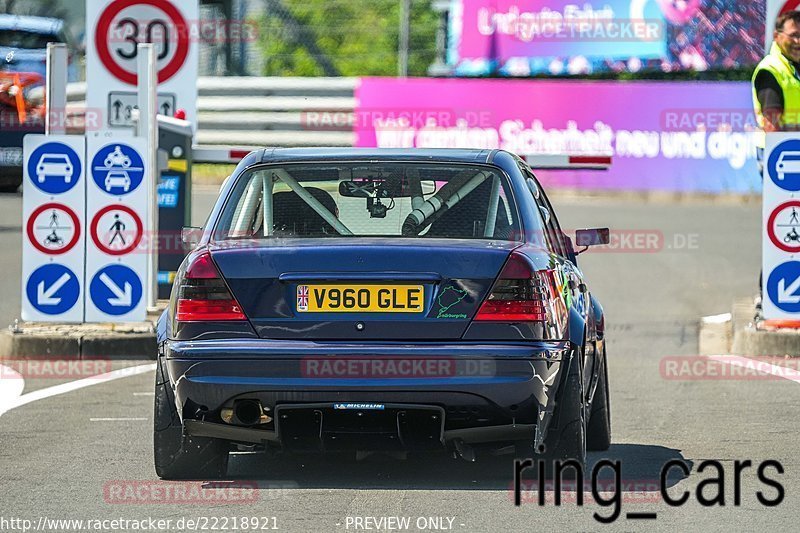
column 380, row 300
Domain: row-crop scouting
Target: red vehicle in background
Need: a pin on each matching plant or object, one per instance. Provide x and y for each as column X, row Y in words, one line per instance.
column 21, row 112
column 23, row 56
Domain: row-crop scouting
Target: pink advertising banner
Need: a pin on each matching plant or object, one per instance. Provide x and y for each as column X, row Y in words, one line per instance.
column 672, row 136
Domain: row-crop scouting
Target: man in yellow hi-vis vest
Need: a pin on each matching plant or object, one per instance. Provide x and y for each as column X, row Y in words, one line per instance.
column 776, row 81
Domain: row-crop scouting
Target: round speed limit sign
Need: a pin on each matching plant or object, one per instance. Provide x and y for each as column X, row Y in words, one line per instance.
column 123, row 24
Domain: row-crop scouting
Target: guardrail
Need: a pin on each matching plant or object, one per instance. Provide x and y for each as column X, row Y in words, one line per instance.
column 257, row 112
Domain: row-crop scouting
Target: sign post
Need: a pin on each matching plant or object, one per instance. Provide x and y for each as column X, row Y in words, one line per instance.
column 147, row 129
column 781, row 233
column 53, row 200
column 114, row 30
column 55, row 121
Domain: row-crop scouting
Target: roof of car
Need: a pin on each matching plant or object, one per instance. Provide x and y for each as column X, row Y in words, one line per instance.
column 45, row 25
column 275, row 155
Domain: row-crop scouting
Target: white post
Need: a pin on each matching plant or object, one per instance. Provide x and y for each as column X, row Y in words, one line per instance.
column 148, row 128
column 55, row 122
column 402, row 47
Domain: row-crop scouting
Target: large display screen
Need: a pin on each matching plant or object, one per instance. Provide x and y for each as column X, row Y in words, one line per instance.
column 562, row 37
column 668, row 136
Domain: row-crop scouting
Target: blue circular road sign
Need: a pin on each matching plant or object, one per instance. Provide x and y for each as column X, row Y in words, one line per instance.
column 52, row 289
column 783, row 287
column 783, row 165
column 115, row 289
column 54, row 168
column 117, row 168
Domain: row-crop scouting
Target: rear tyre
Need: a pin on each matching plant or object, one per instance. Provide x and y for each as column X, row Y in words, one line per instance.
column 568, row 443
column 176, row 456
column 598, row 434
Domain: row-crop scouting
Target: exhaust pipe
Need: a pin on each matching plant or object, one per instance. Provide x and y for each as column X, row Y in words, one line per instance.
column 246, row 413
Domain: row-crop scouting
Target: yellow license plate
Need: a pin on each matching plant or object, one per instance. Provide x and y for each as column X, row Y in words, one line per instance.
column 360, row 299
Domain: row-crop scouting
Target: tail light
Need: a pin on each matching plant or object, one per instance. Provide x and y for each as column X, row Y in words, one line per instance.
column 203, row 294
column 521, row 294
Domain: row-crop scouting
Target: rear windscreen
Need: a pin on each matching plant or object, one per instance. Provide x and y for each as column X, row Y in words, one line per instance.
column 368, row 199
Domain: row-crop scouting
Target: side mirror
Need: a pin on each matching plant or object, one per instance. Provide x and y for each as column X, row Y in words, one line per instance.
column 190, row 235
column 592, row 237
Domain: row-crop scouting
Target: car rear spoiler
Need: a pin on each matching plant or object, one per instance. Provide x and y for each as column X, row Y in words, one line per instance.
column 207, row 154
column 567, row 162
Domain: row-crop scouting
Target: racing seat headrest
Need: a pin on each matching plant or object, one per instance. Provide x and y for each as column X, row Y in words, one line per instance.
column 293, row 216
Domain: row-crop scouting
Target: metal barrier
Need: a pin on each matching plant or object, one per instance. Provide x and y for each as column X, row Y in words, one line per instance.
column 257, row 112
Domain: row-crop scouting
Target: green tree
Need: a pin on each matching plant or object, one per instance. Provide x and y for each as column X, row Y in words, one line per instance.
column 343, row 37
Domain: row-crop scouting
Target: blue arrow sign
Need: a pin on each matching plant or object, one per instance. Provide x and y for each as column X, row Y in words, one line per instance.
column 117, row 168
column 53, row 289
column 783, row 287
column 54, row 168
column 115, row 290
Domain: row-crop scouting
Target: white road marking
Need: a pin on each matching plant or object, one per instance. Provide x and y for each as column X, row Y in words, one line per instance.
column 717, row 319
column 11, row 386
column 129, row 419
column 760, row 366
column 8, row 401
column 144, row 393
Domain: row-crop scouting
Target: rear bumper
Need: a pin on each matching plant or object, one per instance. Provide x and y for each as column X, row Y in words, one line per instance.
column 485, row 392
column 478, row 435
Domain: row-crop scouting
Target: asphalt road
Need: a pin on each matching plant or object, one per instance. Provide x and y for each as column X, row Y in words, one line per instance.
column 79, row 454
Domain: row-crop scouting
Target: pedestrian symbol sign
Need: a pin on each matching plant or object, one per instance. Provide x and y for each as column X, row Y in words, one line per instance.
column 783, row 226
column 53, row 289
column 117, row 169
column 53, row 228
column 116, row 229
column 115, row 290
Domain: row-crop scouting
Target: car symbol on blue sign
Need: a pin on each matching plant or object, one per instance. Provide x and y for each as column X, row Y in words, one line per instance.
column 53, row 289
column 115, row 289
column 117, row 168
column 783, row 165
column 783, row 287
column 54, row 168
